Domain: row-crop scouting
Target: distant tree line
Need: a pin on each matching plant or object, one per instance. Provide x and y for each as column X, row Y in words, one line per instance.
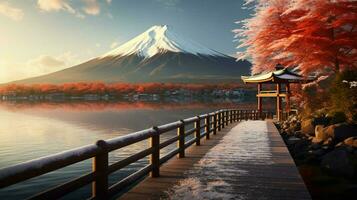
column 77, row 89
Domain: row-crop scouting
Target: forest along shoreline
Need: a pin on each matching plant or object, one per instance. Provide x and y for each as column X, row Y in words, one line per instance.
column 122, row 91
column 324, row 148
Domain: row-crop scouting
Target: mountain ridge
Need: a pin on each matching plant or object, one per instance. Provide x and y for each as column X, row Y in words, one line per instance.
column 160, row 39
column 160, row 57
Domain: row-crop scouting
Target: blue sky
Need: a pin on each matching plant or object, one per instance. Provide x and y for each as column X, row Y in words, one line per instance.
column 42, row 36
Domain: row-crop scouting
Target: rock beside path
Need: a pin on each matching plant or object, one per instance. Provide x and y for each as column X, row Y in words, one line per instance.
column 333, row 147
column 340, row 132
column 339, row 161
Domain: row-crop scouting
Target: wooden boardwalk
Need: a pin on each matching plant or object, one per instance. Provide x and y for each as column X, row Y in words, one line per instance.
column 237, row 163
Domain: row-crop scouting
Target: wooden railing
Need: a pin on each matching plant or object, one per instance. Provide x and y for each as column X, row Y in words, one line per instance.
column 213, row 123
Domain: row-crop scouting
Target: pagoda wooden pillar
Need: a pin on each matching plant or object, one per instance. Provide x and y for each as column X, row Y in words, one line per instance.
column 278, row 102
column 259, row 100
column 287, row 98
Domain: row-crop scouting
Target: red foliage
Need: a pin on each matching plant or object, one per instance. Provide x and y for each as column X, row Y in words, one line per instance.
column 314, row 35
column 102, row 88
column 104, row 106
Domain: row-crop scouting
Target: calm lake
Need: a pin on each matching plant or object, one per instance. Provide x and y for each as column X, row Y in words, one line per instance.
column 33, row 130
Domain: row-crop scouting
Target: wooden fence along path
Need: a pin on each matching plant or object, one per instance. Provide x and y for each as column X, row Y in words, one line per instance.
column 204, row 126
column 247, row 160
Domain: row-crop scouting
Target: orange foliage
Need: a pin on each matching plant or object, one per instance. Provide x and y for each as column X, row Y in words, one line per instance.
column 104, row 106
column 313, row 35
column 113, row 89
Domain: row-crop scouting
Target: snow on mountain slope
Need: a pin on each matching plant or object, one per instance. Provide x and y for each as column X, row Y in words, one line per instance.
column 157, row 55
column 160, row 39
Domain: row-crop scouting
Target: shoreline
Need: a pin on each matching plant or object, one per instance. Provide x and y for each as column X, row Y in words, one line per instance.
column 313, row 159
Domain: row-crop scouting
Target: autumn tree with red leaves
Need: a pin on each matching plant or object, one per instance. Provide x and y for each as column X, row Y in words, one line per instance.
column 316, row 36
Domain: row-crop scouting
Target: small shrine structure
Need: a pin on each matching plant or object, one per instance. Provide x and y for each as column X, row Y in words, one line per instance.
column 281, row 77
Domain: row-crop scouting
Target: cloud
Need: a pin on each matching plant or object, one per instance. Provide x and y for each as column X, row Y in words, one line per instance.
column 55, row 5
column 11, row 70
column 113, row 45
column 11, row 12
column 91, row 7
column 80, row 15
column 169, row 3
column 64, row 59
column 69, row 58
column 109, row 1
column 46, row 61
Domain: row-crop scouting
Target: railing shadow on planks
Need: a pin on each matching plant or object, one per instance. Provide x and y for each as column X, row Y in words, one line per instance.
column 213, row 123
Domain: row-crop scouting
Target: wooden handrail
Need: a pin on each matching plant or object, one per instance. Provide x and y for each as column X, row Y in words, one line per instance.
column 213, row 123
column 40, row 166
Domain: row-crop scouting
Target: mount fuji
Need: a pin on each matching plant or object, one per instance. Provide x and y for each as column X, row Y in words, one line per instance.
column 156, row 55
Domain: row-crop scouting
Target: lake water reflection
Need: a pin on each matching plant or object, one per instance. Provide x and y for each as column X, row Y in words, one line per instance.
column 33, row 130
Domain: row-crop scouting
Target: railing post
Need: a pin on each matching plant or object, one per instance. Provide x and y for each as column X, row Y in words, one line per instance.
column 100, row 167
column 223, row 119
column 230, row 116
column 155, row 155
column 198, row 131
column 181, row 140
column 256, row 114
column 227, row 117
column 215, row 123
column 207, row 128
column 260, row 115
column 219, row 120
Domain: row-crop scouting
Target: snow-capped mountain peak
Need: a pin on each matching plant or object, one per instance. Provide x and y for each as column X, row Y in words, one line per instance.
column 160, row 39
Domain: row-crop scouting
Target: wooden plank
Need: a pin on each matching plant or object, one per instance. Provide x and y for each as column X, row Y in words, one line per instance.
column 277, row 179
column 175, row 167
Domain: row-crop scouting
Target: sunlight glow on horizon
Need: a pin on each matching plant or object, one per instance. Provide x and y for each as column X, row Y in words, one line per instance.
column 43, row 36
